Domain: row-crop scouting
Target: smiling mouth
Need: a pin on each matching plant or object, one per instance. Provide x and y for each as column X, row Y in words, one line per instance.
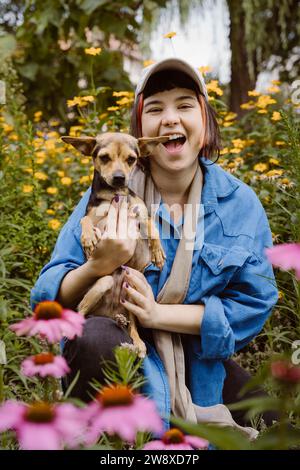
column 175, row 143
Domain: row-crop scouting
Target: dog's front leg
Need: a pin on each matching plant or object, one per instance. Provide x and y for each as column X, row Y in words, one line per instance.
column 94, row 295
column 137, row 341
column 157, row 252
column 89, row 238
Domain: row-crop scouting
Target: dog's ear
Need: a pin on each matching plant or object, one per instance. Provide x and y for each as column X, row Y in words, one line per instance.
column 148, row 144
column 85, row 145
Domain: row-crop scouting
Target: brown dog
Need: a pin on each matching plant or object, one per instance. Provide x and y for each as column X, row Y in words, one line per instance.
column 114, row 156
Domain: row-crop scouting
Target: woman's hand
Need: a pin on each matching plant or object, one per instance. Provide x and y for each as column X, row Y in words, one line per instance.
column 137, row 297
column 118, row 241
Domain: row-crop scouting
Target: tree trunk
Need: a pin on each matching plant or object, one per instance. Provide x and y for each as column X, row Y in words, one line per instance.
column 241, row 82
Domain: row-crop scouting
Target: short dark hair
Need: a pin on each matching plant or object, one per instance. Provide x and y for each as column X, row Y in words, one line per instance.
column 168, row 80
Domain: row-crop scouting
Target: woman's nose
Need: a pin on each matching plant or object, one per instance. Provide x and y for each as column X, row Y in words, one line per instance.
column 170, row 118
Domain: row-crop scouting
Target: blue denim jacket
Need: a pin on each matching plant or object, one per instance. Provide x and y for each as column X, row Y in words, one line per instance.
column 230, row 276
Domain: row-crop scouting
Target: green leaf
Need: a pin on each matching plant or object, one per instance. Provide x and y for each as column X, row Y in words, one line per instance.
column 8, row 45
column 89, row 6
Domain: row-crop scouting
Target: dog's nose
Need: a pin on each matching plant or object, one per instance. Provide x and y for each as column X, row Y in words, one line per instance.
column 119, row 178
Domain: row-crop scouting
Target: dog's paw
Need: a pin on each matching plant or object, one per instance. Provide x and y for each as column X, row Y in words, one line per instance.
column 89, row 241
column 121, row 320
column 158, row 257
column 140, row 348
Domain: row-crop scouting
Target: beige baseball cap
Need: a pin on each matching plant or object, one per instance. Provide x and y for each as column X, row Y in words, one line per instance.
column 171, row 63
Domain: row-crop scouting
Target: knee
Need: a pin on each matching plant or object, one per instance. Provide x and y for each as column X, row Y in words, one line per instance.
column 100, row 336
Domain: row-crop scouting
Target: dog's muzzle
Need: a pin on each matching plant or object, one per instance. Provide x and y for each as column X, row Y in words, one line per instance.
column 118, row 179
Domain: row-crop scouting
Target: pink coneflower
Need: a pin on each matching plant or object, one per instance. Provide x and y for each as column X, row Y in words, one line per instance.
column 284, row 371
column 118, row 410
column 44, row 364
column 42, row 426
column 174, row 439
column 285, row 256
column 51, row 321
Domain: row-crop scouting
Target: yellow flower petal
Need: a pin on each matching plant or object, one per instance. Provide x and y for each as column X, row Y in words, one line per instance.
column 51, row 190
column 27, row 188
column 66, row 180
column 93, row 50
column 54, row 224
column 170, row 35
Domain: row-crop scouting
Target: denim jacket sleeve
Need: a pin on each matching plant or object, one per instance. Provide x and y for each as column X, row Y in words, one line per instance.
column 67, row 255
column 238, row 314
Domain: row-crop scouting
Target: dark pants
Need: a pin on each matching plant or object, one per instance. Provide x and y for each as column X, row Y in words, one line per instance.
column 102, row 334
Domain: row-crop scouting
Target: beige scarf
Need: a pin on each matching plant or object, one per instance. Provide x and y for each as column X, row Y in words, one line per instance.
column 168, row 345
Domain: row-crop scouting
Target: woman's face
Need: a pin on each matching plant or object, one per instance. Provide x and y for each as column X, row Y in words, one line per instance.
column 175, row 111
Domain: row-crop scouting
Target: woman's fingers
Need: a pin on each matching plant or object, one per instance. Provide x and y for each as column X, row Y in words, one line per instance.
column 133, row 295
column 111, row 221
column 122, row 219
column 139, row 283
column 135, row 309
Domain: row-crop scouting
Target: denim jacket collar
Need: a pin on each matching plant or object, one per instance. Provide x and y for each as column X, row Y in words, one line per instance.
column 217, row 184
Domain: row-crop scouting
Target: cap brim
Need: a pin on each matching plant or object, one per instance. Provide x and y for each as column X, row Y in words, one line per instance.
column 172, row 63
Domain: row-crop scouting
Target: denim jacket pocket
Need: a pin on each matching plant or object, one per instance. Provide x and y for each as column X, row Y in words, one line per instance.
column 224, row 262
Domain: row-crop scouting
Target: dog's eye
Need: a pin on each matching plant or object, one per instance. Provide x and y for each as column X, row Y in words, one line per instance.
column 131, row 160
column 104, row 158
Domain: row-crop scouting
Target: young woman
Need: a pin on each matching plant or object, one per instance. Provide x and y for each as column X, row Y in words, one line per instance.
column 230, row 290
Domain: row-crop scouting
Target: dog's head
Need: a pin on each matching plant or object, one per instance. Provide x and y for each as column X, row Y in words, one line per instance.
column 115, row 154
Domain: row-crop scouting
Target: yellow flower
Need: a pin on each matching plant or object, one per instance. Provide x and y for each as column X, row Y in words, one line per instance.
column 66, row 181
column 54, row 224
column 88, row 99
column 84, row 179
column 51, row 190
column 235, row 150
column 40, row 176
column 128, row 94
column 264, row 101
column 279, row 143
column 224, row 151
column 125, row 101
column 213, row 87
column 28, row 170
column 227, row 124
column 50, row 211
column 13, row 137
column 230, row 116
column 239, row 143
column 103, row 115
column 84, row 161
column 60, row 173
column 113, row 108
column 77, row 101
column 262, row 111
column 27, row 188
column 274, row 173
column 274, row 161
column 67, row 159
column 54, row 123
column 40, row 160
column 260, row 167
column 273, row 89
column 7, row 127
column 275, row 82
column 248, row 105
column 276, row 116
column 205, row 69
column 253, row 93
column 285, row 181
column 146, row 63
column 93, row 50
column 170, row 35
column 37, row 116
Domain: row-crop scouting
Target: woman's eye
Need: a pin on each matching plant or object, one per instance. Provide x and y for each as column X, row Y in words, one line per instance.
column 153, row 110
column 185, row 106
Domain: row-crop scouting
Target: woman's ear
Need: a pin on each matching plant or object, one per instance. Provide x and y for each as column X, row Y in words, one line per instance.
column 85, row 144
